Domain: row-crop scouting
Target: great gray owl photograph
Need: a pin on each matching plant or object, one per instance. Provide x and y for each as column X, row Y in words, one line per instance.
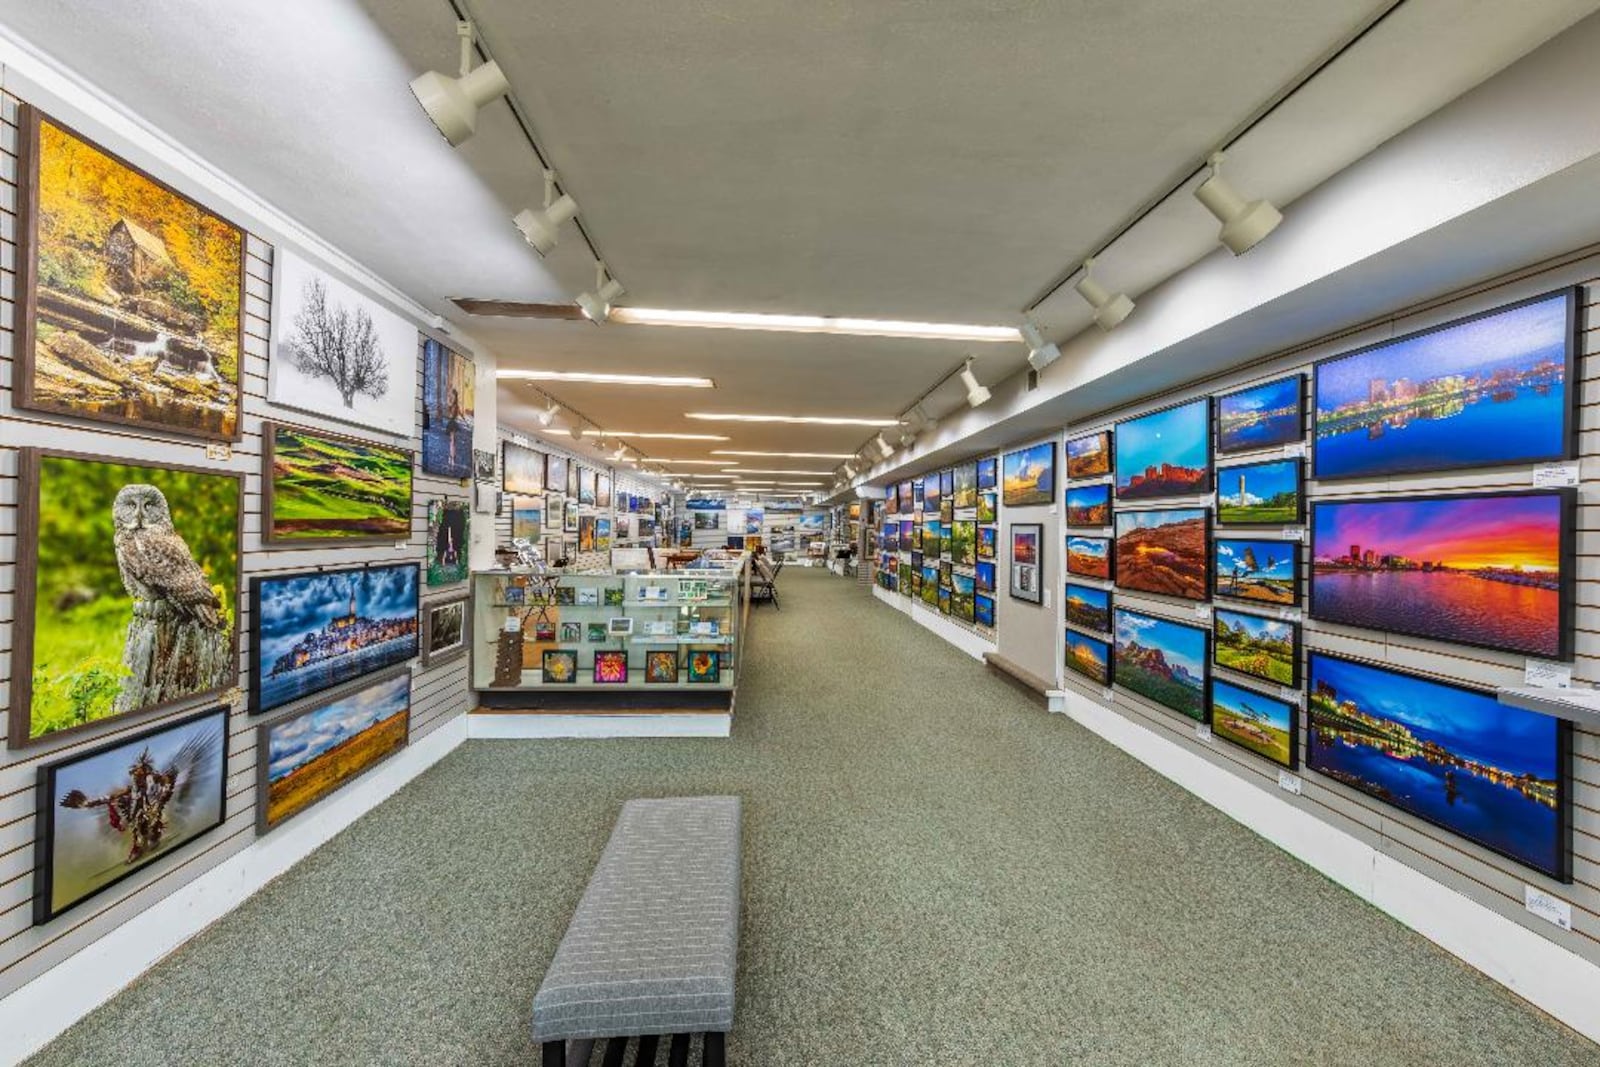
column 134, row 589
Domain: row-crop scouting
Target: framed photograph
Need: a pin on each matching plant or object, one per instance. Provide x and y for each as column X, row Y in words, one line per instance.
column 129, row 294
column 322, row 489
column 1490, row 569
column 947, row 509
column 988, row 542
column 930, row 585
column 1264, row 648
column 559, row 666
column 571, row 633
column 447, row 411
column 445, row 624
column 988, row 473
column 661, row 666
column 107, row 814
column 573, row 478
column 1448, row 754
column 930, row 494
column 306, row 756
column 1090, row 557
column 1262, row 494
column 944, row 599
column 588, row 483
column 965, row 479
column 963, row 549
column 1090, row 657
column 705, row 666
column 1269, row 415
column 1029, row 476
column 527, row 518
column 1089, row 456
column 961, row 594
column 1484, row 391
column 1165, row 453
column 569, row 522
column 1265, row 725
column 318, row 629
column 1162, row 661
column 1089, row 607
column 1027, row 562
column 983, row 610
column 448, row 542
column 988, row 507
column 543, row 629
column 483, row 466
column 917, row 493
column 521, row 469
column 619, row 626
column 555, row 473
column 596, row 632
column 903, row 499
column 983, row 576
column 127, row 590
column 602, row 490
column 1089, row 505
column 610, row 667
column 1265, row 571
column 337, row 352
column 947, row 486
column 1164, row 551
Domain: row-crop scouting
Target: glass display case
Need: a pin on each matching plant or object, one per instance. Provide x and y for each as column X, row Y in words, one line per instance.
column 608, row 639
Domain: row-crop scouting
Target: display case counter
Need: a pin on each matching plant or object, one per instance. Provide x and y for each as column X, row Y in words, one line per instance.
column 608, row 641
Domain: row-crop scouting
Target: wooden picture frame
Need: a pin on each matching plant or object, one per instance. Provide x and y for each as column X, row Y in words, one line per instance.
column 29, row 469
column 25, row 394
column 432, row 658
column 270, row 493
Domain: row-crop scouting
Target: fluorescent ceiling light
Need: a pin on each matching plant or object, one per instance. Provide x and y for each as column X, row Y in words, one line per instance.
column 670, row 436
column 595, row 378
column 742, row 320
column 812, row 420
column 770, row 470
column 783, row 455
column 694, row 462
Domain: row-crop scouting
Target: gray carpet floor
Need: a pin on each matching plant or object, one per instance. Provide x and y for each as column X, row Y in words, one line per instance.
column 936, row 872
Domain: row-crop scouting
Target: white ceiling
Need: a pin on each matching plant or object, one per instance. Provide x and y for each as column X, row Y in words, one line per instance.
column 934, row 161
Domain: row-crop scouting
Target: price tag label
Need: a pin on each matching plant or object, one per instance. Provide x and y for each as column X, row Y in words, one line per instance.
column 1551, row 909
column 1547, row 675
column 1555, row 475
column 219, row 450
column 519, row 440
column 402, row 545
column 1290, row 614
column 1202, row 611
column 234, row 698
column 1108, row 695
column 1289, row 783
column 1295, row 450
column 1295, row 533
column 1202, row 732
column 1292, row 696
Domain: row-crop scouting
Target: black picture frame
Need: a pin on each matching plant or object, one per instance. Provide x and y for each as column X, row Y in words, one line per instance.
column 1030, row 592
column 1240, row 470
column 1107, row 654
column 1226, row 730
column 1220, row 616
column 1159, row 689
column 1297, row 564
column 1135, row 580
column 1276, row 441
column 1110, row 556
column 1573, row 389
column 1101, row 494
column 1107, row 441
column 1567, row 583
column 1208, row 473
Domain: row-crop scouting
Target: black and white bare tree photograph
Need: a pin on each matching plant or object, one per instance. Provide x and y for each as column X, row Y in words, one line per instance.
column 339, row 353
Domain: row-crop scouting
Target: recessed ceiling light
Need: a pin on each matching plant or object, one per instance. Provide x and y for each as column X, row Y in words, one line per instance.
column 594, row 378
column 783, row 455
column 670, row 436
column 741, row 320
column 814, row 420
column 770, row 470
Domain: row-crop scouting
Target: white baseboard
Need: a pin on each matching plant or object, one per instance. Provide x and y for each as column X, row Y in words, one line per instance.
column 511, row 726
column 1553, row 979
column 36, row 1013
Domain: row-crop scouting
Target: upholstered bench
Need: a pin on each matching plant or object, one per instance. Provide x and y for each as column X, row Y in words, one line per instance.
column 653, row 946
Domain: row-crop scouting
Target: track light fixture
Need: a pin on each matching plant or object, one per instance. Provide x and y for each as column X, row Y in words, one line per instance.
column 542, row 228
column 548, row 415
column 596, row 303
column 577, row 433
column 885, row 449
column 1244, row 224
column 1041, row 353
column 621, row 451
column 977, row 395
column 1109, row 308
column 453, row 103
column 849, row 471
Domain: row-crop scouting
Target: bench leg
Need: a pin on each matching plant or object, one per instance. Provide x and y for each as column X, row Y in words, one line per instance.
column 645, row 1054
column 678, row 1055
column 714, row 1053
column 578, row 1051
column 554, row 1054
column 616, row 1048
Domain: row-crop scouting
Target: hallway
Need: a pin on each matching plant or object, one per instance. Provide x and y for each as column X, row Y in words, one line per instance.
column 936, row 871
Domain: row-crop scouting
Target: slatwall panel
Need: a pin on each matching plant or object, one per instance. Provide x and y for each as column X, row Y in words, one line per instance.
column 437, row 695
column 1454, row 861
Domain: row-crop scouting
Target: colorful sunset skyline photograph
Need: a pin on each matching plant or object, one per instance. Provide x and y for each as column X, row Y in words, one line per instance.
column 1165, row 453
column 1480, row 569
column 1262, row 416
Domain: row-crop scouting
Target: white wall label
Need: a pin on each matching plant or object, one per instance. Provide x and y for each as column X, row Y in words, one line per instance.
column 234, row 698
column 1547, row 675
column 1202, row 732
column 511, row 625
column 1292, row 696
column 1294, row 533
column 221, row 450
column 1296, row 449
column 1108, row 695
column 402, row 545
column 1202, row 611
column 519, row 440
column 1289, row 783
column 1290, row 614
column 1555, row 475
column 1551, row 909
